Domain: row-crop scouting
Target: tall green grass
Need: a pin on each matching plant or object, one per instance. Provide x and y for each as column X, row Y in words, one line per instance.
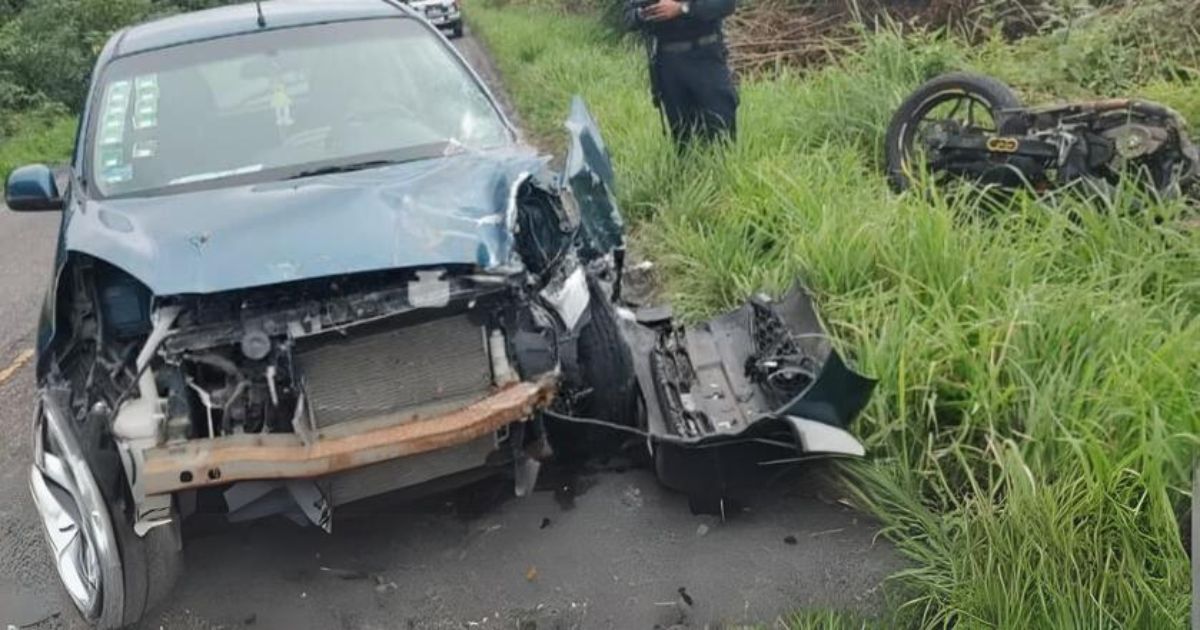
column 37, row 136
column 1039, row 363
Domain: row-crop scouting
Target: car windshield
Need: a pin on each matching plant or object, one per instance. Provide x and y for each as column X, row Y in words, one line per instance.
column 283, row 104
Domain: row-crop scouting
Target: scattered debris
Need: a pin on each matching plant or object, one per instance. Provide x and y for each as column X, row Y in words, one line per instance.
column 702, row 530
column 564, row 496
column 251, row 620
column 826, row 532
column 31, row 624
column 531, row 574
column 790, row 539
column 383, row 587
column 545, row 523
column 632, row 497
column 345, row 574
column 676, row 613
column 568, row 485
column 639, row 283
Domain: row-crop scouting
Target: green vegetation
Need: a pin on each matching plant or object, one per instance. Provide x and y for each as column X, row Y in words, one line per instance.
column 829, row 620
column 1039, row 396
column 47, row 48
column 38, row 137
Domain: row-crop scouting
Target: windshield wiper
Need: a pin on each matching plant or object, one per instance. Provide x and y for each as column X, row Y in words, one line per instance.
column 345, row 168
column 410, row 154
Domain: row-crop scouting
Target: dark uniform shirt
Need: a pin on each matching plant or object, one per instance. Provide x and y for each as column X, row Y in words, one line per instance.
column 689, row 77
column 704, row 18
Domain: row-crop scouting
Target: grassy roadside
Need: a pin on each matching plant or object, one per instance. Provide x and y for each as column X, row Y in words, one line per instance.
column 1039, row 373
column 36, row 137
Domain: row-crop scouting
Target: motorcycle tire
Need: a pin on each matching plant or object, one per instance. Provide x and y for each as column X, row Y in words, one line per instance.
column 902, row 130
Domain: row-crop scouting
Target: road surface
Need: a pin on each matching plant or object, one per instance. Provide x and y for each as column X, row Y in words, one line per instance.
column 609, row 549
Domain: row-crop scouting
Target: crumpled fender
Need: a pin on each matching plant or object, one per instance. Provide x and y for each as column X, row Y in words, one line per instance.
column 588, row 176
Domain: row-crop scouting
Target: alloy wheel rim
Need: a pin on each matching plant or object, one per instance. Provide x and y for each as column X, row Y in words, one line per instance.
column 69, row 533
column 75, row 521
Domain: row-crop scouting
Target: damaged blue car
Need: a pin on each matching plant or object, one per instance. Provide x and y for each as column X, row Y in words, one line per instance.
column 305, row 259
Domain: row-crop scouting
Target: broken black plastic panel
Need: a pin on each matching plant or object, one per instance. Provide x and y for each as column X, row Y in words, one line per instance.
column 756, row 385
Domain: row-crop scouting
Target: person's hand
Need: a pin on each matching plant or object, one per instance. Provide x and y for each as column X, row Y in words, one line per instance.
column 662, row 11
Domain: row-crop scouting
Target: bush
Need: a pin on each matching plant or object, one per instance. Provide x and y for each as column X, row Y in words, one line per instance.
column 48, row 48
column 1106, row 51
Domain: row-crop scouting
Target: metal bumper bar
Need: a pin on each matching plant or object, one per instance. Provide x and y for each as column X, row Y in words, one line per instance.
column 206, row 462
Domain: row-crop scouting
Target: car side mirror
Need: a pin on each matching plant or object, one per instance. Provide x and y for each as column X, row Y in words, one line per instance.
column 32, row 188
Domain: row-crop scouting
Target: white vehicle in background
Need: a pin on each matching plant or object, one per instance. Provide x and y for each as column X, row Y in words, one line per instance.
column 444, row 14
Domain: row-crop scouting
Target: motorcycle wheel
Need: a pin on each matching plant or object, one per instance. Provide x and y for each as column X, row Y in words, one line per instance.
column 958, row 96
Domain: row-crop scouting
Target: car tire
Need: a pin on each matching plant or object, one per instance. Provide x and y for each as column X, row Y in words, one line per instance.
column 901, row 131
column 457, row 31
column 606, row 370
column 152, row 565
column 135, row 573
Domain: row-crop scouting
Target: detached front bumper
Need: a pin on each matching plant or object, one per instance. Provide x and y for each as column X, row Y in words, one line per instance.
column 759, row 385
column 199, row 463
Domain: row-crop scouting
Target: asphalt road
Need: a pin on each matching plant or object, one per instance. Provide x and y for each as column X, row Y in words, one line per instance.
column 608, row 549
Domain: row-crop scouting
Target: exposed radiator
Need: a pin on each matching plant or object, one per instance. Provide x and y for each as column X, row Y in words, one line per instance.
column 402, row 372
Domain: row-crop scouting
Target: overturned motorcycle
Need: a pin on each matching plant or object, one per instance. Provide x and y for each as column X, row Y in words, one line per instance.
column 970, row 127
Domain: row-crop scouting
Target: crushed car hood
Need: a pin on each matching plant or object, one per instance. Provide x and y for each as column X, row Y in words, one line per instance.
column 442, row 211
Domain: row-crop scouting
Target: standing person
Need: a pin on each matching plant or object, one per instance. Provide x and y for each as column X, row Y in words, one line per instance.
column 690, row 80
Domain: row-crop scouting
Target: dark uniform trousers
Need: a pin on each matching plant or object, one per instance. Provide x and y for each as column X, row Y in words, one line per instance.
column 696, row 93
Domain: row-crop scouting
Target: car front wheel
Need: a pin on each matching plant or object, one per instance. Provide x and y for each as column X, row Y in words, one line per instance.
column 606, row 365
column 111, row 575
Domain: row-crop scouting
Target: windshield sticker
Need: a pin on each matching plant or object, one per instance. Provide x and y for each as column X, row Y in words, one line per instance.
column 113, row 132
column 144, row 149
column 112, row 123
column 117, row 174
column 282, row 104
column 118, row 96
column 111, row 155
column 145, row 101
